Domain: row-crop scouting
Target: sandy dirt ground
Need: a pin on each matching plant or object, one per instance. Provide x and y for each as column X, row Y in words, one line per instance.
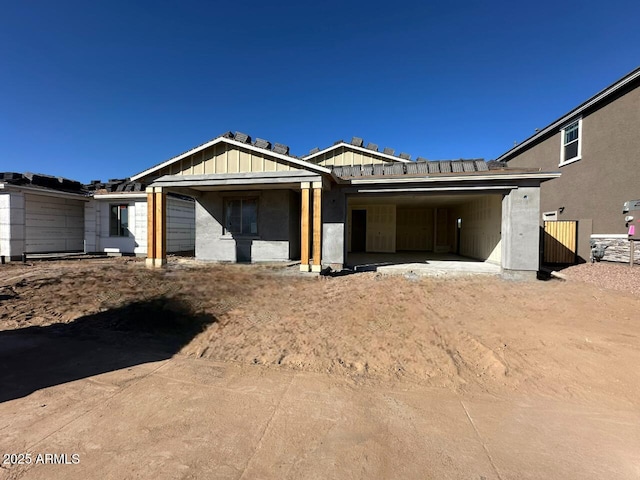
column 570, row 341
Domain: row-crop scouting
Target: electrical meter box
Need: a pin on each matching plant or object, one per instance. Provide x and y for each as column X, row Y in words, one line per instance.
column 631, row 211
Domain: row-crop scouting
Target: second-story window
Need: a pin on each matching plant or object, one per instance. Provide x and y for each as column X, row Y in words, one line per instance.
column 571, row 142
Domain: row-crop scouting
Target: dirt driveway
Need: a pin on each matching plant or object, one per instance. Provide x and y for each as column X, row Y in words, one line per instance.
column 201, row 371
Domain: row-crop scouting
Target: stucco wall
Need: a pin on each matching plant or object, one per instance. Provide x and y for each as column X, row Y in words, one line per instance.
column 520, row 236
column 181, row 225
column 334, row 217
column 274, row 228
column 596, row 186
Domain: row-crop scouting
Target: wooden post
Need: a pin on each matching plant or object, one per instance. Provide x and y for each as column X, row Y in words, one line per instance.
column 161, row 228
column 156, row 227
column 304, row 227
column 317, row 227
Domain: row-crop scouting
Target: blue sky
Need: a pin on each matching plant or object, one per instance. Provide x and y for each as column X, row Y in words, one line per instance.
column 97, row 90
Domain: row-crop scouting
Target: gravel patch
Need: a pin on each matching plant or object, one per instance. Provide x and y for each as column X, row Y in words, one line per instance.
column 615, row 276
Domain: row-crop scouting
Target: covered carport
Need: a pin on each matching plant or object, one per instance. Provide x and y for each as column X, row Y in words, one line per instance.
column 456, row 214
column 419, row 230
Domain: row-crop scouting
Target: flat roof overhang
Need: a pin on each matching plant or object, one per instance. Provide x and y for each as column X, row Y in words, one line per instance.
column 493, row 183
column 239, row 181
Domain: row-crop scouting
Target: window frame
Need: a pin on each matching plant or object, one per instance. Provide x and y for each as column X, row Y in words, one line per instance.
column 122, row 231
column 242, row 198
column 563, row 144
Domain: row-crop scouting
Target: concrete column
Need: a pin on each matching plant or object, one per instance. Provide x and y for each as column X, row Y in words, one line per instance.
column 156, row 227
column 304, row 227
column 317, row 227
column 521, row 232
column 334, row 219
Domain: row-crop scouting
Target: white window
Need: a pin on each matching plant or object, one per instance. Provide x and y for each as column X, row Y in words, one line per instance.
column 241, row 216
column 571, row 136
column 119, row 220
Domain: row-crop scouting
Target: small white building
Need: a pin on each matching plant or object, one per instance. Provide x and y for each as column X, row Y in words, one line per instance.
column 46, row 214
column 40, row 214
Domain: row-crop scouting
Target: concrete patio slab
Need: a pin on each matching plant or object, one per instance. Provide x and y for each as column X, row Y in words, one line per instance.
column 420, row 263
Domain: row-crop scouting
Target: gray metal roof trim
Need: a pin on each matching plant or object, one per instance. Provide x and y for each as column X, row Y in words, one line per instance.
column 432, row 167
column 412, row 168
column 445, row 166
column 468, row 166
column 366, row 170
column 457, row 167
column 481, row 165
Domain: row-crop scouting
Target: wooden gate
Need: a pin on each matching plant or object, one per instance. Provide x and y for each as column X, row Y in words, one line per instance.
column 560, row 242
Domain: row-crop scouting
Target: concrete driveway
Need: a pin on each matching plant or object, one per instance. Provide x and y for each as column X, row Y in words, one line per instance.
column 128, row 414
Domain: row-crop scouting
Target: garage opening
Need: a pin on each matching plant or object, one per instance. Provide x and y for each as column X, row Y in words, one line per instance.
column 423, row 229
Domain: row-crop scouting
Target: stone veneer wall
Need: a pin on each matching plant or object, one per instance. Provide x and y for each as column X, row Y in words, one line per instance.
column 618, row 250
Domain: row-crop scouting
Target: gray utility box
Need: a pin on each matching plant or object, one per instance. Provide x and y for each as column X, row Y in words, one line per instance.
column 631, row 210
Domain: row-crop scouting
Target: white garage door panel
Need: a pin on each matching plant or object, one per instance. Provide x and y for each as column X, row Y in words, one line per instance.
column 53, row 224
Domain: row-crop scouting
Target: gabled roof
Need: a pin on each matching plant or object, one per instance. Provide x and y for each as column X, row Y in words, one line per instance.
column 230, row 138
column 356, row 146
column 599, row 97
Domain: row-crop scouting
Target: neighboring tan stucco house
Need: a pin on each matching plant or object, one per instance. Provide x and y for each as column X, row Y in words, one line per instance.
column 596, row 146
column 256, row 202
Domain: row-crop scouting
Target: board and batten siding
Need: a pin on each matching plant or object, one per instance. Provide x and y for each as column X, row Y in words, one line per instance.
column 344, row 156
column 225, row 158
column 53, row 224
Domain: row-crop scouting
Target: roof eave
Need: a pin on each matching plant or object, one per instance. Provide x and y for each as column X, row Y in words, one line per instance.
column 542, row 176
